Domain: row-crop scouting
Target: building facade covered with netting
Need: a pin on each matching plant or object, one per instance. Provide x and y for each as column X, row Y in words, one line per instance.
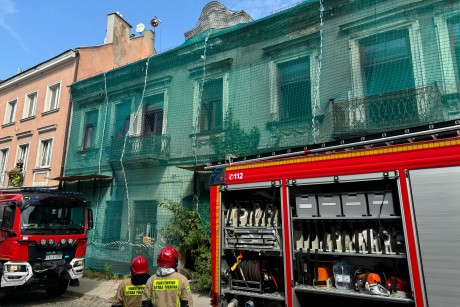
column 314, row 72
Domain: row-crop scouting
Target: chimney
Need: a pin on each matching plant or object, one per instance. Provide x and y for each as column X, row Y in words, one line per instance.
column 117, row 28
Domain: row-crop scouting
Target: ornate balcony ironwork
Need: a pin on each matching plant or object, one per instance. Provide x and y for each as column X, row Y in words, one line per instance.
column 388, row 111
column 150, row 146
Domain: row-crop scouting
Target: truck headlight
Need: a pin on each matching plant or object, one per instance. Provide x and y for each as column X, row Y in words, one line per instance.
column 78, row 263
column 15, row 268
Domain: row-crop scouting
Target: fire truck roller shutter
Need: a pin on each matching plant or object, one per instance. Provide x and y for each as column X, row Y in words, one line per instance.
column 436, row 201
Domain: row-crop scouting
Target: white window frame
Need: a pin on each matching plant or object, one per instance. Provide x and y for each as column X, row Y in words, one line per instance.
column 274, row 81
column 415, row 42
column 81, row 139
column 49, row 153
column 446, row 55
column 114, row 116
column 10, row 113
column 136, row 125
column 197, row 99
column 49, row 104
column 165, row 110
column 18, row 154
column 30, row 104
column 4, row 153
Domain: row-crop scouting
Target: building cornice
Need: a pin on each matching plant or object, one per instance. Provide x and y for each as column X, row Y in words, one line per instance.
column 31, row 73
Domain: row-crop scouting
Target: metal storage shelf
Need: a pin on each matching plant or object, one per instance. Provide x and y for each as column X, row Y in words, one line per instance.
column 276, row 252
column 269, row 296
column 253, row 227
column 350, row 293
column 348, row 219
column 354, row 254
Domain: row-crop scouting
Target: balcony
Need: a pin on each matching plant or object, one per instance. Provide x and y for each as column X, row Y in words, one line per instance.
column 15, row 178
column 388, row 111
column 146, row 147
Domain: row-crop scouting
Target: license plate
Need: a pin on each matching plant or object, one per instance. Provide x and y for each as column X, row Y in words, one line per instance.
column 50, row 256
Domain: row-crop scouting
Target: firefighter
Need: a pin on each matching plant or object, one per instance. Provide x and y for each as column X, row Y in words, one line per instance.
column 167, row 288
column 130, row 290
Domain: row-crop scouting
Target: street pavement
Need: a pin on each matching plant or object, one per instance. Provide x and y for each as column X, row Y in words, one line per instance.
column 106, row 289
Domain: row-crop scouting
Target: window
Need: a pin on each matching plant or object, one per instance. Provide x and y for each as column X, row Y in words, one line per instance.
column 88, row 138
column 10, row 111
column 145, row 215
column 113, row 216
column 153, row 115
column 90, row 127
column 386, row 62
column 122, row 119
column 454, row 33
column 294, row 89
column 211, row 110
column 389, row 61
column 23, row 155
column 3, row 164
column 29, row 105
column 52, row 97
column 448, row 34
column 44, row 158
column 387, row 67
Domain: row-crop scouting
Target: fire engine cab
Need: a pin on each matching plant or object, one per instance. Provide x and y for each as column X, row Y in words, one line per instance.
column 43, row 237
column 355, row 222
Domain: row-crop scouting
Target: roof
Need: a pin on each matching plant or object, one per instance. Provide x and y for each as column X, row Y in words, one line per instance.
column 81, row 177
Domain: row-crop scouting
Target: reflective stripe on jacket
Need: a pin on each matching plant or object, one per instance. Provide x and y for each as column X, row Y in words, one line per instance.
column 168, row 290
column 129, row 295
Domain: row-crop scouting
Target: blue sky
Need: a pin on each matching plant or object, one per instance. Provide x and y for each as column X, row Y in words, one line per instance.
column 32, row 32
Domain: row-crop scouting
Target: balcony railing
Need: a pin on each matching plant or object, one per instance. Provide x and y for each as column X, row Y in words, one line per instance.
column 373, row 114
column 15, row 178
column 149, row 146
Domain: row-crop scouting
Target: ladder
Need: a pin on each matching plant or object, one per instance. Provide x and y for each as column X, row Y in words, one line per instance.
column 435, row 131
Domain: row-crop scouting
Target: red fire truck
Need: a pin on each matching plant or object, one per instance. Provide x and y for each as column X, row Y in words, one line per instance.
column 43, row 237
column 359, row 221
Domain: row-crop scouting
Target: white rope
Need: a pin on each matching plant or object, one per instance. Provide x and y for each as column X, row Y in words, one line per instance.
column 315, row 109
column 114, row 243
column 200, row 95
column 131, row 127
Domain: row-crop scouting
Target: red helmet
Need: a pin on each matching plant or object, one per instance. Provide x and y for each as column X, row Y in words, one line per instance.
column 168, row 257
column 139, row 265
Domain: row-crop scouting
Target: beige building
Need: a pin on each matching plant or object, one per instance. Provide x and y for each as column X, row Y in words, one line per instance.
column 35, row 104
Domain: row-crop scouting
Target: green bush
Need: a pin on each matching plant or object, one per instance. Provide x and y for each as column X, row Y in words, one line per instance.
column 186, row 231
column 106, row 274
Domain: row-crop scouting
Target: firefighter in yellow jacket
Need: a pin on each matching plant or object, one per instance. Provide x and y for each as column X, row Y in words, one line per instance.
column 129, row 293
column 167, row 288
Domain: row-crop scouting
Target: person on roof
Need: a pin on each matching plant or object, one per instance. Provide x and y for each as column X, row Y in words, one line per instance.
column 130, row 290
column 167, row 288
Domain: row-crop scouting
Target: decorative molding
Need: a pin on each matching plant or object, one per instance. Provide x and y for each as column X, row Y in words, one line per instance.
column 307, row 36
column 400, row 14
column 216, row 16
column 6, row 139
column 211, row 68
column 47, row 128
column 8, row 124
column 50, row 112
column 24, row 134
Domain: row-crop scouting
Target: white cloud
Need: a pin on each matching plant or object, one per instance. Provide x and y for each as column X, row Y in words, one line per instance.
column 7, row 9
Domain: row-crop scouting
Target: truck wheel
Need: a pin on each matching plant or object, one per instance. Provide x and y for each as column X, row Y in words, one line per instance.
column 58, row 288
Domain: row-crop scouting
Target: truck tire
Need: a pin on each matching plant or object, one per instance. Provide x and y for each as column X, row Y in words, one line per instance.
column 57, row 289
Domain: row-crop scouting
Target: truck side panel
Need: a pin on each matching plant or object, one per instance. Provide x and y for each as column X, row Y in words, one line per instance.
column 435, row 195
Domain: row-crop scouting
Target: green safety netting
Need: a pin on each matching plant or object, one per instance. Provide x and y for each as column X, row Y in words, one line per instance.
column 314, row 72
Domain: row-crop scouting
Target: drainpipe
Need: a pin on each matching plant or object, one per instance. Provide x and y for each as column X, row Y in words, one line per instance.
column 69, row 112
